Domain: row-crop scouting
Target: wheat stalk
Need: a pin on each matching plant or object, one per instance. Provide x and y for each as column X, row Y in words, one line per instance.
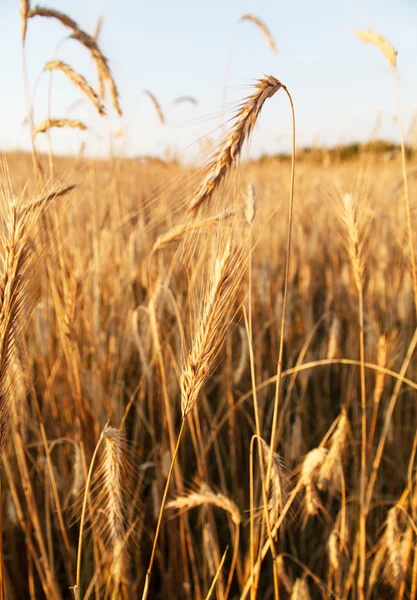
column 78, row 80
column 230, row 148
column 263, row 28
column 250, row 204
column 51, row 123
column 156, row 104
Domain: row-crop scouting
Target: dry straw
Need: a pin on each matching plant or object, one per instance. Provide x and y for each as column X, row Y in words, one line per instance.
column 156, row 105
column 51, row 123
column 230, row 147
column 383, row 44
column 263, row 28
column 78, row 80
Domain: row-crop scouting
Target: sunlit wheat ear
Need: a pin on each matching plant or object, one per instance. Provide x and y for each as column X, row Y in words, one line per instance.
column 250, row 204
column 279, row 484
column 334, row 339
column 263, row 28
column 102, row 64
column 156, row 104
column 331, row 470
column 78, row 478
column 17, row 266
column 230, row 147
column 206, row 496
column 24, row 11
column 354, row 241
column 309, row 476
column 78, row 80
column 111, row 493
column 300, row 590
column 44, row 126
column 178, row 232
column 333, row 550
column 212, row 322
column 383, row 44
column 393, row 547
column 284, row 579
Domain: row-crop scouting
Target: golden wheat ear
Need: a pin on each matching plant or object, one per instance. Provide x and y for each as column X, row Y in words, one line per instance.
column 263, row 29
column 79, row 81
column 156, row 104
column 230, row 148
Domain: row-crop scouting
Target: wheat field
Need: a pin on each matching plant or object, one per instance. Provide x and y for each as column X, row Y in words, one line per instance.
column 207, row 372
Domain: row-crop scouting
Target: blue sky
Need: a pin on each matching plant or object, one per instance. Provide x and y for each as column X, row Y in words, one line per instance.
column 191, row 47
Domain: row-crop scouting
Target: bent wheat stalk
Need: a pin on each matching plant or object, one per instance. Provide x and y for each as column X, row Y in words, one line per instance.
column 156, row 105
column 230, row 148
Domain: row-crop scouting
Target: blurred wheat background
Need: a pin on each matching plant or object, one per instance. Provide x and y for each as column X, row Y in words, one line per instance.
column 207, row 372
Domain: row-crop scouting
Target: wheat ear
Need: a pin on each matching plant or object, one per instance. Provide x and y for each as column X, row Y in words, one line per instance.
column 44, row 126
column 182, row 99
column 102, row 64
column 380, row 42
column 156, row 104
column 263, row 28
column 211, row 326
column 180, row 231
column 78, row 80
column 230, row 147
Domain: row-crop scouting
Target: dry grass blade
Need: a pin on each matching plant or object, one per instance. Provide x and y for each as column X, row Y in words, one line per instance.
column 51, row 123
column 182, row 99
column 211, row 326
column 230, row 147
column 79, row 81
column 383, row 44
column 177, row 233
column 263, row 28
column 156, row 105
column 206, row 496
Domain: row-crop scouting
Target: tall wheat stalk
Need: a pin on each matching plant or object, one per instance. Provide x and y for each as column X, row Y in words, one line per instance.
column 211, row 327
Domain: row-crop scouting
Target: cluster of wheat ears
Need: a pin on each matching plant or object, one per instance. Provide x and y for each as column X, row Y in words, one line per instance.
column 206, row 375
